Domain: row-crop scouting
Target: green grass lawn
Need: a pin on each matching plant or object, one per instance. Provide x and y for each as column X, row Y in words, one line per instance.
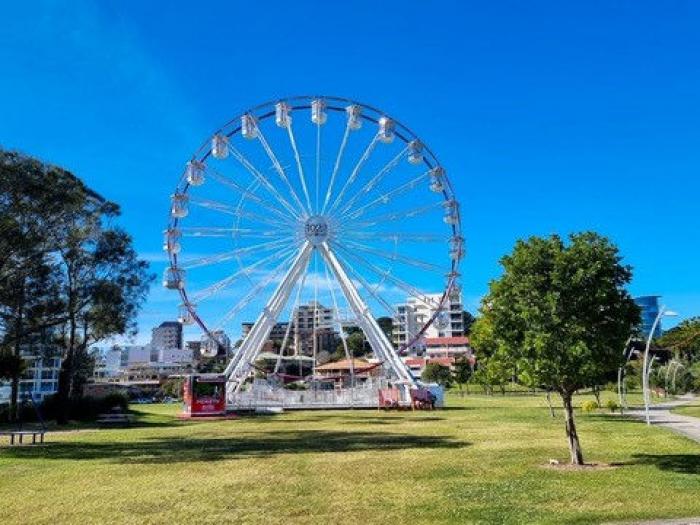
column 482, row 460
column 689, row 410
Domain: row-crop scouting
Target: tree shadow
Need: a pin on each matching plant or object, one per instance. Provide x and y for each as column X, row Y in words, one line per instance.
column 681, row 463
column 178, row 450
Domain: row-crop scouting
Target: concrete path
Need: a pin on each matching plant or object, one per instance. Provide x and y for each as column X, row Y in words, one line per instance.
column 661, row 415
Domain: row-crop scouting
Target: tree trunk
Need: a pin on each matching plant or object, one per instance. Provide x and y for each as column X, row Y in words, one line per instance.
column 549, row 403
column 571, row 435
column 14, row 392
column 596, row 393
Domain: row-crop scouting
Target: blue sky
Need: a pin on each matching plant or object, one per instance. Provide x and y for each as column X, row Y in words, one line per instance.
column 549, row 116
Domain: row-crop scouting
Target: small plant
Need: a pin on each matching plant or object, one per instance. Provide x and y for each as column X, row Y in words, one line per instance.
column 589, row 406
column 612, row 405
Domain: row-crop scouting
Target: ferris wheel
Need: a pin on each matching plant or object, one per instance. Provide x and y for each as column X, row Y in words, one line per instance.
column 312, row 201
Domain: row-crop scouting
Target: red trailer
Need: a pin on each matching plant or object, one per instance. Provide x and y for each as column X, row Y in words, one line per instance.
column 204, row 395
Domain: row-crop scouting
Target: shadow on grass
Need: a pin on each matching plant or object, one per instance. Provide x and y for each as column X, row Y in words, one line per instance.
column 177, row 450
column 681, row 463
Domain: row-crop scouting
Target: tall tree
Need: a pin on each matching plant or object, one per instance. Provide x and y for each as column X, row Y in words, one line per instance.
column 562, row 313
column 63, row 266
column 683, row 339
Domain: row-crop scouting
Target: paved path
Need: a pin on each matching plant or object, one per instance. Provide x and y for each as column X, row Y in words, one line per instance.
column 661, row 415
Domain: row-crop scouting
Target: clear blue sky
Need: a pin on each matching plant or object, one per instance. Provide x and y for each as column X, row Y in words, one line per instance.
column 550, row 116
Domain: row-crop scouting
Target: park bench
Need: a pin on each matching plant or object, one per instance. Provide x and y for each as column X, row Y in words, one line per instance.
column 114, row 419
column 13, row 434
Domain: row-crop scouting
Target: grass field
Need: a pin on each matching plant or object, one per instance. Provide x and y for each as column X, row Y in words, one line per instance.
column 689, row 410
column 482, row 460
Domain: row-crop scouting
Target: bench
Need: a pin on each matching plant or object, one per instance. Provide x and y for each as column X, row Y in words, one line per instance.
column 114, row 418
column 21, row 433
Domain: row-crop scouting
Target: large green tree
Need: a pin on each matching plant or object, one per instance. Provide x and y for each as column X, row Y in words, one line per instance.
column 683, row 339
column 65, row 269
column 562, row 313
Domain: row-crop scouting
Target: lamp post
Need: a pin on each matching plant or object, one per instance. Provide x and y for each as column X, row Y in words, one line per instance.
column 646, row 366
column 620, row 374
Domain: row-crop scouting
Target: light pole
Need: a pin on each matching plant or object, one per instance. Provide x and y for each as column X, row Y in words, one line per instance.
column 620, row 373
column 646, row 365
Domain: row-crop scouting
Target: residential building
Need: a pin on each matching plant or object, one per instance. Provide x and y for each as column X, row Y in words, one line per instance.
column 167, row 335
column 175, row 355
column 413, row 315
column 649, row 305
column 40, row 377
column 454, row 347
column 136, row 354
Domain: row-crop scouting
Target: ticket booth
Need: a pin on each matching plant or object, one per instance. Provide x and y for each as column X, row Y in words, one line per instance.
column 204, row 395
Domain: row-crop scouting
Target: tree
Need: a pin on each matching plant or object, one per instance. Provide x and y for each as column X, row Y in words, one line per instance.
column 561, row 312
column 357, row 345
column 683, row 339
column 467, row 322
column 463, row 370
column 437, row 373
column 387, row 326
column 66, row 273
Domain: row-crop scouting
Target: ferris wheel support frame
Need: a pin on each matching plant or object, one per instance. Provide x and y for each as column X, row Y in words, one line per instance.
column 242, row 363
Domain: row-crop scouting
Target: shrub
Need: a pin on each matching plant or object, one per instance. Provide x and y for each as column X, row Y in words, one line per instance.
column 612, row 405
column 86, row 408
column 589, row 406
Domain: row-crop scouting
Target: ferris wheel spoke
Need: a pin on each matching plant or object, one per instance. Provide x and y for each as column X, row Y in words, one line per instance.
column 215, row 288
column 355, row 172
column 227, row 256
column 297, row 158
column 280, row 170
column 336, row 166
column 255, row 291
column 366, row 285
column 339, row 325
column 386, row 197
column 226, row 181
column 264, row 182
column 196, row 231
column 372, row 183
column 396, row 236
column 373, row 220
column 409, row 289
column 394, row 256
column 292, row 317
column 238, row 211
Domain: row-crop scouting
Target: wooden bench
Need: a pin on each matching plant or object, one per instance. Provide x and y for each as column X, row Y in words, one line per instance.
column 114, row 418
column 21, row 433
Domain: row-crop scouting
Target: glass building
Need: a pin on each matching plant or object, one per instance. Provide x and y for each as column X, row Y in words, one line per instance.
column 650, row 309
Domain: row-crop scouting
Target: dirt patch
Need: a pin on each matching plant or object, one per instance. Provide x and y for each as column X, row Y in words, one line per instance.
column 584, row 467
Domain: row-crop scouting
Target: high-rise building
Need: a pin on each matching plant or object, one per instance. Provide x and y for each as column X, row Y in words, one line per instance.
column 412, row 315
column 649, row 305
column 167, row 335
column 314, row 319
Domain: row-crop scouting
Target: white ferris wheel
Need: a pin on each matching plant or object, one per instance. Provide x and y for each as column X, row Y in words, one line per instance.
column 312, row 200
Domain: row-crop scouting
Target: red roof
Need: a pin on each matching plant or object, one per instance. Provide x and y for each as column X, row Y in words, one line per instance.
column 414, row 361
column 444, row 361
column 446, row 341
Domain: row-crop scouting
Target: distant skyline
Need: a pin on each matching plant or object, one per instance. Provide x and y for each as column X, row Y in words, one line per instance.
column 550, row 117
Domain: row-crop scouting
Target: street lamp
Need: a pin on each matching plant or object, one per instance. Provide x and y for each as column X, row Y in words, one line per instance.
column 620, row 373
column 646, row 366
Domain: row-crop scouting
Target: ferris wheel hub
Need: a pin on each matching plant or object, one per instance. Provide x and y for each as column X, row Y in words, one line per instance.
column 317, row 229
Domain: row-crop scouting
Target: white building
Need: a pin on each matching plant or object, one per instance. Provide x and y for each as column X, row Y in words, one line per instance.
column 175, row 355
column 136, row 354
column 412, row 315
column 40, row 378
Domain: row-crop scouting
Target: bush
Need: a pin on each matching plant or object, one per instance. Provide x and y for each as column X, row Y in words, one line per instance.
column 589, row 406
column 86, row 408
column 612, row 405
